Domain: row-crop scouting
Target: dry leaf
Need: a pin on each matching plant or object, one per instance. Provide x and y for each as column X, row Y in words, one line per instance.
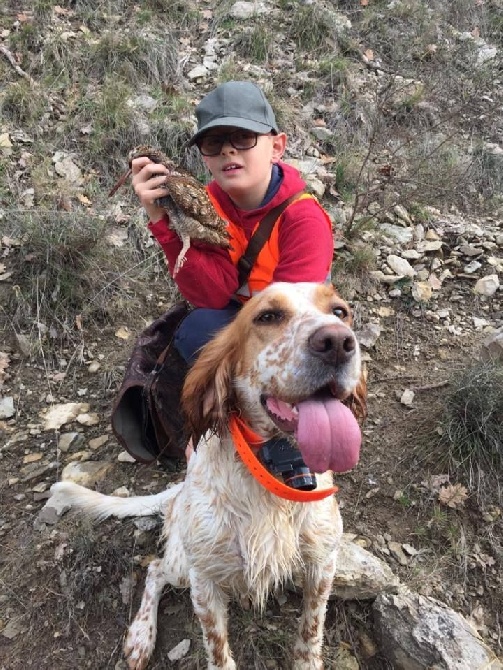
column 364, row 3
column 83, row 200
column 123, row 333
column 369, row 54
column 452, row 495
column 78, row 321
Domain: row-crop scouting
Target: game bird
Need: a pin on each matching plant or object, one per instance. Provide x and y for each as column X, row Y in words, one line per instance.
column 191, row 213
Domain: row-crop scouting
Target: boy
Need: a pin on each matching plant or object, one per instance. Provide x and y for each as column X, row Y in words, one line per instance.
column 242, row 147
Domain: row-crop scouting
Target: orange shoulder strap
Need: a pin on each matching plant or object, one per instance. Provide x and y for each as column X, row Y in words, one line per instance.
column 237, row 429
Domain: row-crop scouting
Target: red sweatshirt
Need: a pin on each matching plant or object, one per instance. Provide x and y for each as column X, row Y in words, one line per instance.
column 208, row 277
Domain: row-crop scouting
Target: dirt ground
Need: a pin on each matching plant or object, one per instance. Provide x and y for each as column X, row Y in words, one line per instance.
column 69, row 590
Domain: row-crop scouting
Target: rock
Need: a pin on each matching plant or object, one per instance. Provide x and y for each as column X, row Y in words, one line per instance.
column 245, row 10
column 369, row 334
column 385, row 279
column 361, row 575
column 400, row 266
column 197, row 72
column 125, row 457
column 411, row 254
column 407, row 397
column 143, row 102
column 492, row 347
column 87, row 419
column 65, row 167
column 402, row 214
column 98, row 442
column 418, row 632
column 181, row 650
column 472, row 267
column 398, row 553
column 85, row 474
column 66, row 440
column 7, row 407
column 402, row 235
column 58, row 415
column 487, row 285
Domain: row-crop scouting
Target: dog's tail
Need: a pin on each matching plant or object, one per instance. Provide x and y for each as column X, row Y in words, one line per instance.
column 67, row 495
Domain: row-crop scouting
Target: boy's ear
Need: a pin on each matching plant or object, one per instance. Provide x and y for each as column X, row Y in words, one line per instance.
column 278, row 146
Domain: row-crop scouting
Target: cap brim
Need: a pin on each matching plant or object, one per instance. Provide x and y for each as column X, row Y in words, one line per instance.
column 234, row 122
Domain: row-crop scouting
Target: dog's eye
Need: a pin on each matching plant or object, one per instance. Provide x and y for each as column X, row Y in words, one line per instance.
column 270, row 316
column 340, row 312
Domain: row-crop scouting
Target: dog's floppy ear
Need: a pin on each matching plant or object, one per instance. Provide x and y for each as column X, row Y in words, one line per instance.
column 208, row 395
column 357, row 401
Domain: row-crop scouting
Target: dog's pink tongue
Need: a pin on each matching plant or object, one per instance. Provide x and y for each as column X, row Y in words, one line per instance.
column 328, row 435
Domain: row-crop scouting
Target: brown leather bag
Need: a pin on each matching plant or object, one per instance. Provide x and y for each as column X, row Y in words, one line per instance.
column 147, row 418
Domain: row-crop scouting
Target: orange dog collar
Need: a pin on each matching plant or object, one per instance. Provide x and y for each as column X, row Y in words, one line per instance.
column 243, row 437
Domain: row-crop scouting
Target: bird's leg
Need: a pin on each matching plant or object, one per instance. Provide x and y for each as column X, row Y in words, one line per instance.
column 181, row 256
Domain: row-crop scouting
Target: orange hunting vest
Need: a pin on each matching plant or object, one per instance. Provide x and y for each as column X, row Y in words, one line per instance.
column 268, row 258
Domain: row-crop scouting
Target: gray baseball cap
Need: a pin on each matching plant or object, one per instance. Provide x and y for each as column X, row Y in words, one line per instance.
column 236, row 103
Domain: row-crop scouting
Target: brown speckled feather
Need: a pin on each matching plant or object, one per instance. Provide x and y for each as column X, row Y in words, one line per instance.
column 191, row 214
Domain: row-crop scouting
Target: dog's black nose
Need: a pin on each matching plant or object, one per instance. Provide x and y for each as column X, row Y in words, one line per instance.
column 335, row 344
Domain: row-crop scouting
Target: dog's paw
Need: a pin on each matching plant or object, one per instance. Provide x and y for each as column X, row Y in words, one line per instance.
column 139, row 644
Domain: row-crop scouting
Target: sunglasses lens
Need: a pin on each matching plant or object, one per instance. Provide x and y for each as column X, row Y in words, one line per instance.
column 211, row 145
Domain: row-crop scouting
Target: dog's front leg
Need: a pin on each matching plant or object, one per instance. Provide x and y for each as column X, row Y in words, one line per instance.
column 307, row 654
column 140, row 639
column 210, row 604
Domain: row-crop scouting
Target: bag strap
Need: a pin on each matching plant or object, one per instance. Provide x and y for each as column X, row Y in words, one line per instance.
column 260, row 237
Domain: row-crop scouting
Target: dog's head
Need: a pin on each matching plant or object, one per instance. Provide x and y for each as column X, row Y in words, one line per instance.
column 289, row 363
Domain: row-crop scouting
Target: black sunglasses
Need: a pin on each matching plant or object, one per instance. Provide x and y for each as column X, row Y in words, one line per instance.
column 211, row 145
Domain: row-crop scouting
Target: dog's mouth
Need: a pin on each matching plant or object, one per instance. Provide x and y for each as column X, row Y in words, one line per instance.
column 325, row 430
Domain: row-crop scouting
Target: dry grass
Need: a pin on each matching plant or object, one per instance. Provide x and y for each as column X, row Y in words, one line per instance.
column 472, row 421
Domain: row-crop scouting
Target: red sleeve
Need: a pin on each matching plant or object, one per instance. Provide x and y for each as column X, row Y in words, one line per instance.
column 208, row 278
column 305, row 242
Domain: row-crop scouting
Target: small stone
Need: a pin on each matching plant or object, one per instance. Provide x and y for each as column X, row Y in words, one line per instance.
column 472, row 267
column 398, row 553
column 487, row 285
column 94, row 366
column 369, row 335
column 125, row 457
column 66, row 440
column 402, row 214
column 88, row 419
column 429, row 245
column 98, row 442
column 7, row 407
column 32, row 458
column 181, row 650
column 400, row 266
column 86, row 474
column 407, row 397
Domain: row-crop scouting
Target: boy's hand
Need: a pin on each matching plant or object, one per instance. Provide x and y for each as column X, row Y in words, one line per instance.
column 149, row 184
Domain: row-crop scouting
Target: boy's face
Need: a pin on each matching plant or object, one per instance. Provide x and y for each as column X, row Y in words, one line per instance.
column 244, row 174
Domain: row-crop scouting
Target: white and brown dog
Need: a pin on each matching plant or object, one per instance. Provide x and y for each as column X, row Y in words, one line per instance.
column 288, row 365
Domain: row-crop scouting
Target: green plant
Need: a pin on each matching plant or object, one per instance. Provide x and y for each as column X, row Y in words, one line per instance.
column 21, row 103
column 67, row 268
column 134, row 58
column 472, row 421
column 256, row 44
column 313, row 28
